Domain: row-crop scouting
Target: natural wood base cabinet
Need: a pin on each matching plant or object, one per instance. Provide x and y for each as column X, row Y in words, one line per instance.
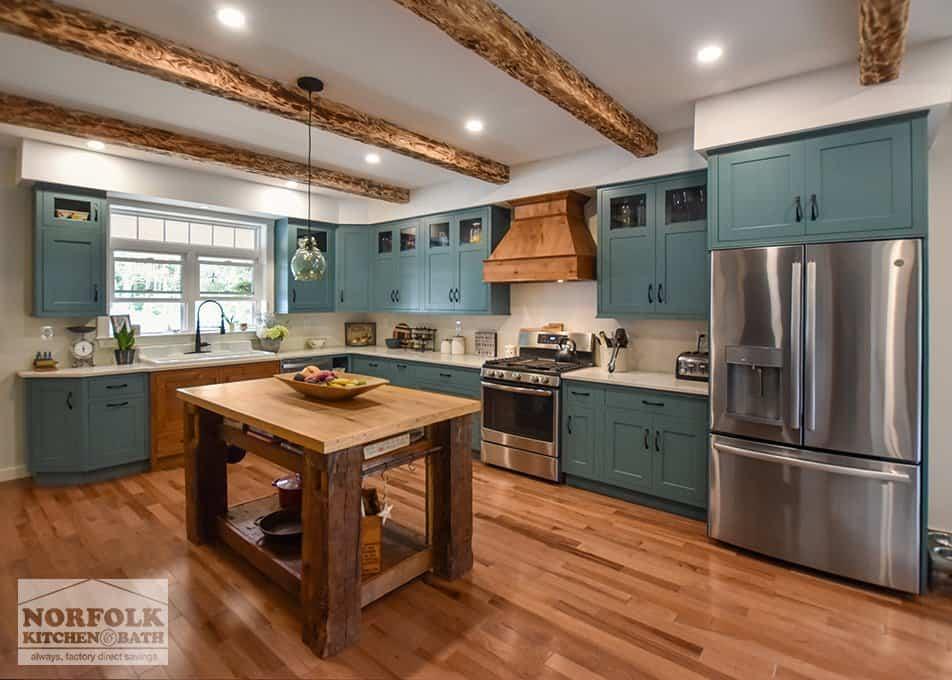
column 168, row 421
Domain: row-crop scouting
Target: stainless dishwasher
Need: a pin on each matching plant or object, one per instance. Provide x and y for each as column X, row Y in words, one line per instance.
column 325, row 363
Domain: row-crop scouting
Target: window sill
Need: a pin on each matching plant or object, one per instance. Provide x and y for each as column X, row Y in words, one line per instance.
column 109, row 342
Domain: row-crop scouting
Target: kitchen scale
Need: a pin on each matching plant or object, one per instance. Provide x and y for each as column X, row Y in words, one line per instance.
column 82, row 351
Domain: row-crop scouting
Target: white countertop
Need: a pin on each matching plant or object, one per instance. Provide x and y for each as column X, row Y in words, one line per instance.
column 665, row 382
column 460, row 360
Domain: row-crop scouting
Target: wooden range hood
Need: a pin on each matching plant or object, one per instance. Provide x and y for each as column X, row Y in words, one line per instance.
column 548, row 240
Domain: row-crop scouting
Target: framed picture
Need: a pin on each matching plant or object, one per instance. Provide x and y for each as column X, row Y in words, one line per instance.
column 360, row 334
column 120, row 321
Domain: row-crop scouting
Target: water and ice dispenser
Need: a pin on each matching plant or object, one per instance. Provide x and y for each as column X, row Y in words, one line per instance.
column 754, row 385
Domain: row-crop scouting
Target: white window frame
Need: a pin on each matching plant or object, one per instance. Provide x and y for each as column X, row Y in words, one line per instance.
column 191, row 294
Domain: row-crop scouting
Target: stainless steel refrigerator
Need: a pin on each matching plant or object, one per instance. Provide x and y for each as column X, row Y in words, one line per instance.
column 816, row 406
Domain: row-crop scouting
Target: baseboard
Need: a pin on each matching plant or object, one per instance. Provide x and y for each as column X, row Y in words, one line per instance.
column 663, row 504
column 13, row 472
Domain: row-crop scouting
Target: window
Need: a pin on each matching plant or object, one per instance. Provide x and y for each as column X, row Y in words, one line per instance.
column 165, row 265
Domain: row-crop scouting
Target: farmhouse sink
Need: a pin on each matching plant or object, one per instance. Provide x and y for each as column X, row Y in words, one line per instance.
column 181, row 354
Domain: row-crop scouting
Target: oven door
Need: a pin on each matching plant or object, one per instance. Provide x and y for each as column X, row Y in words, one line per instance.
column 521, row 417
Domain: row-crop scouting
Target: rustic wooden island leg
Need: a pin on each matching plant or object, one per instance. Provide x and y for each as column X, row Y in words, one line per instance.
column 449, row 479
column 206, row 476
column 330, row 559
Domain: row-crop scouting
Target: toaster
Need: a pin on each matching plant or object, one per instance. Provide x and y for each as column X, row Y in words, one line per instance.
column 693, row 365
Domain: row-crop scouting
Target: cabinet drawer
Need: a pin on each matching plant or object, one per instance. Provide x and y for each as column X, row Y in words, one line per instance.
column 661, row 403
column 583, row 395
column 379, row 368
column 118, row 431
column 114, row 386
column 449, row 379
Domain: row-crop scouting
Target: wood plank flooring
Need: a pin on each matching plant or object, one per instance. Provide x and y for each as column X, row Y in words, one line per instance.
column 566, row 584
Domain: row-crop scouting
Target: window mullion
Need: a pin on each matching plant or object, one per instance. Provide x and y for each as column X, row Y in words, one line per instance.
column 191, row 285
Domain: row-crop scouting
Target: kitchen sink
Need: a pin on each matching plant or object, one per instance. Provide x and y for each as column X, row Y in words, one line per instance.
column 180, row 354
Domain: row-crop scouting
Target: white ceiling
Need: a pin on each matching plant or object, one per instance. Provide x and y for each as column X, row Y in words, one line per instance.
column 379, row 57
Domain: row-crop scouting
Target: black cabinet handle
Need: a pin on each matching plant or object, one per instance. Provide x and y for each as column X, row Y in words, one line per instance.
column 569, row 424
column 401, row 365
column 397, row 294
column 799, row 208
column 451, row 294
column 372, row 365
column 69, row 400
column 650, row 294
column 95, row 292
column 581, row 394
column 814, row 212
column 117, row 387
column 446, row 375
column 341, row 294
column 657, row 446
column 647, row 432
column 294, row 295
column 391, row 296
column 660, row 293
column 652, row 403
column 95, row 213
column 119, row 405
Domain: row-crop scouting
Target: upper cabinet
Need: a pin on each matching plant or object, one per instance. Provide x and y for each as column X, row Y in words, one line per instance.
column 859, row 182
column 302, row 296
column 69, row 252
column 652, row 256
column 455, row 246
column 352, row 293
column 396, row 263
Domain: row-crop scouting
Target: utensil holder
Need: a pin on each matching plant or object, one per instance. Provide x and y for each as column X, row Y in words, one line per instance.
column 621, row 360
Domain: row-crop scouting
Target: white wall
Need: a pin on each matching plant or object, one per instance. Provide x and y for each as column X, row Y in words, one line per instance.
column 940, row 331
column 824, row 98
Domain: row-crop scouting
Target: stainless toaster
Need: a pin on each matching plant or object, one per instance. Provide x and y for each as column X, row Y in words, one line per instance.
column 693, row 365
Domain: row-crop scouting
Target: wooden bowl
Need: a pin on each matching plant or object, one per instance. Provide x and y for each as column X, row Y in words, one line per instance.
column 332, row 392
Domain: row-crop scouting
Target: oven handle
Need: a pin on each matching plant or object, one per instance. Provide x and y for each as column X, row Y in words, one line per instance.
column 517, row 390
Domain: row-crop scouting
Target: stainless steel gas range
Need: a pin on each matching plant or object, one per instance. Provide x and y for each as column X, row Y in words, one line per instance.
column 521, row 401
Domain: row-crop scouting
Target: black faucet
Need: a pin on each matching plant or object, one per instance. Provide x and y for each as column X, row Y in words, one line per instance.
column 198, row 329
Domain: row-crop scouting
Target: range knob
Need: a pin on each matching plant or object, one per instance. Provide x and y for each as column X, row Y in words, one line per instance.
column 536, row 379
column 518, row 376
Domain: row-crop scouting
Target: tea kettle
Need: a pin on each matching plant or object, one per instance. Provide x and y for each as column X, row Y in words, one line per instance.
column 566, row 352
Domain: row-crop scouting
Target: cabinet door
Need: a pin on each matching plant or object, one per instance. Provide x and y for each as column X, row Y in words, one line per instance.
column 626, row 278
column 60, row 209
column 758, row 194
column 378, row 368
column 681, row 268
column 118, row 431
column 409, row 268
column 57, row 425
column 239, row 372
column 350, row 275
column 384, row 269
column 72, row 272
column 859, row 181
column 402, row 374
column 626, row 450
column 581, row 426
column 168, row 411
column 440, row 268
column 472, row 247
column 679, row 451
column 311, row 296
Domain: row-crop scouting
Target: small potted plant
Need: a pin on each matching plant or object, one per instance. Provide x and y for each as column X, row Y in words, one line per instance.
column 272, row 336
column 232, row 323
column 125, row 345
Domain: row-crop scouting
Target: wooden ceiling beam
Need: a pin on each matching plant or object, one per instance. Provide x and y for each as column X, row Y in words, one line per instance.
column 481, row 26
column 126, row 47
column 882, row 39
column 30, row 113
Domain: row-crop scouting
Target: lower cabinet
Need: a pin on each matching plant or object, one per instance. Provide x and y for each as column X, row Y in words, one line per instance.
column 86, row 429
column 168, row 414
column 648, row 442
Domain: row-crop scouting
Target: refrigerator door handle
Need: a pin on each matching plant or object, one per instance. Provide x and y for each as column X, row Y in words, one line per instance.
column 895, row 477
column 810, row 363
column 796, row 310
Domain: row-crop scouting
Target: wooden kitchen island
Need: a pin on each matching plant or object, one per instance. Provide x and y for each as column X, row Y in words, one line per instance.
column 324, row 442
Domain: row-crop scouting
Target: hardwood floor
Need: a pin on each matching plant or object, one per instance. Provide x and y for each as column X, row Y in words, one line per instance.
column 567, row 584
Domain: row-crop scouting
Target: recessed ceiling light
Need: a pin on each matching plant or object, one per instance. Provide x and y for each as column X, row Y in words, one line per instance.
column 291, row 184
column 372, row 158
column 232, row 17
column 709, row 54
column 95, row 145
column 474, row 125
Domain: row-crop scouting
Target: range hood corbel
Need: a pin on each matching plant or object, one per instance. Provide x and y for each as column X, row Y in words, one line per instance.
column 548, row 240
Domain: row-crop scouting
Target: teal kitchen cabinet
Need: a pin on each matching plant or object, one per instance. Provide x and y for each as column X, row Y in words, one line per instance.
column 397, row 268
column 378, row 368
column 87, row 429
column 352, row 289
column 858, row 182
column 455, row 246
column 652, row 259
column 641, row 445
column 69, row 266
column 292, row 296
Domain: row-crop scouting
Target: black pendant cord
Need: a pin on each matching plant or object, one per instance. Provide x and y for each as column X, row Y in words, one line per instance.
column 310, row 238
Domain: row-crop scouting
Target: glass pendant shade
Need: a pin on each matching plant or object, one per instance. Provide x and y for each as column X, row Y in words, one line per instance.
column 308, row 263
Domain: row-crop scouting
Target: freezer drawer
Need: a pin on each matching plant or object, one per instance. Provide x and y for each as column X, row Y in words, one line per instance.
column 849, row 516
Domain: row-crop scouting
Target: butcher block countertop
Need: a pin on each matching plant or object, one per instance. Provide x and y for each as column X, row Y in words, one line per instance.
column 326, row 426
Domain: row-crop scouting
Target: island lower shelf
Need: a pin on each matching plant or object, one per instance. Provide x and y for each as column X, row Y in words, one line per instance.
column 405, row 554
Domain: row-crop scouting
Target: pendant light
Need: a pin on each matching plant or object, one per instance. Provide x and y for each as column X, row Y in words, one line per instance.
column 308, row 263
